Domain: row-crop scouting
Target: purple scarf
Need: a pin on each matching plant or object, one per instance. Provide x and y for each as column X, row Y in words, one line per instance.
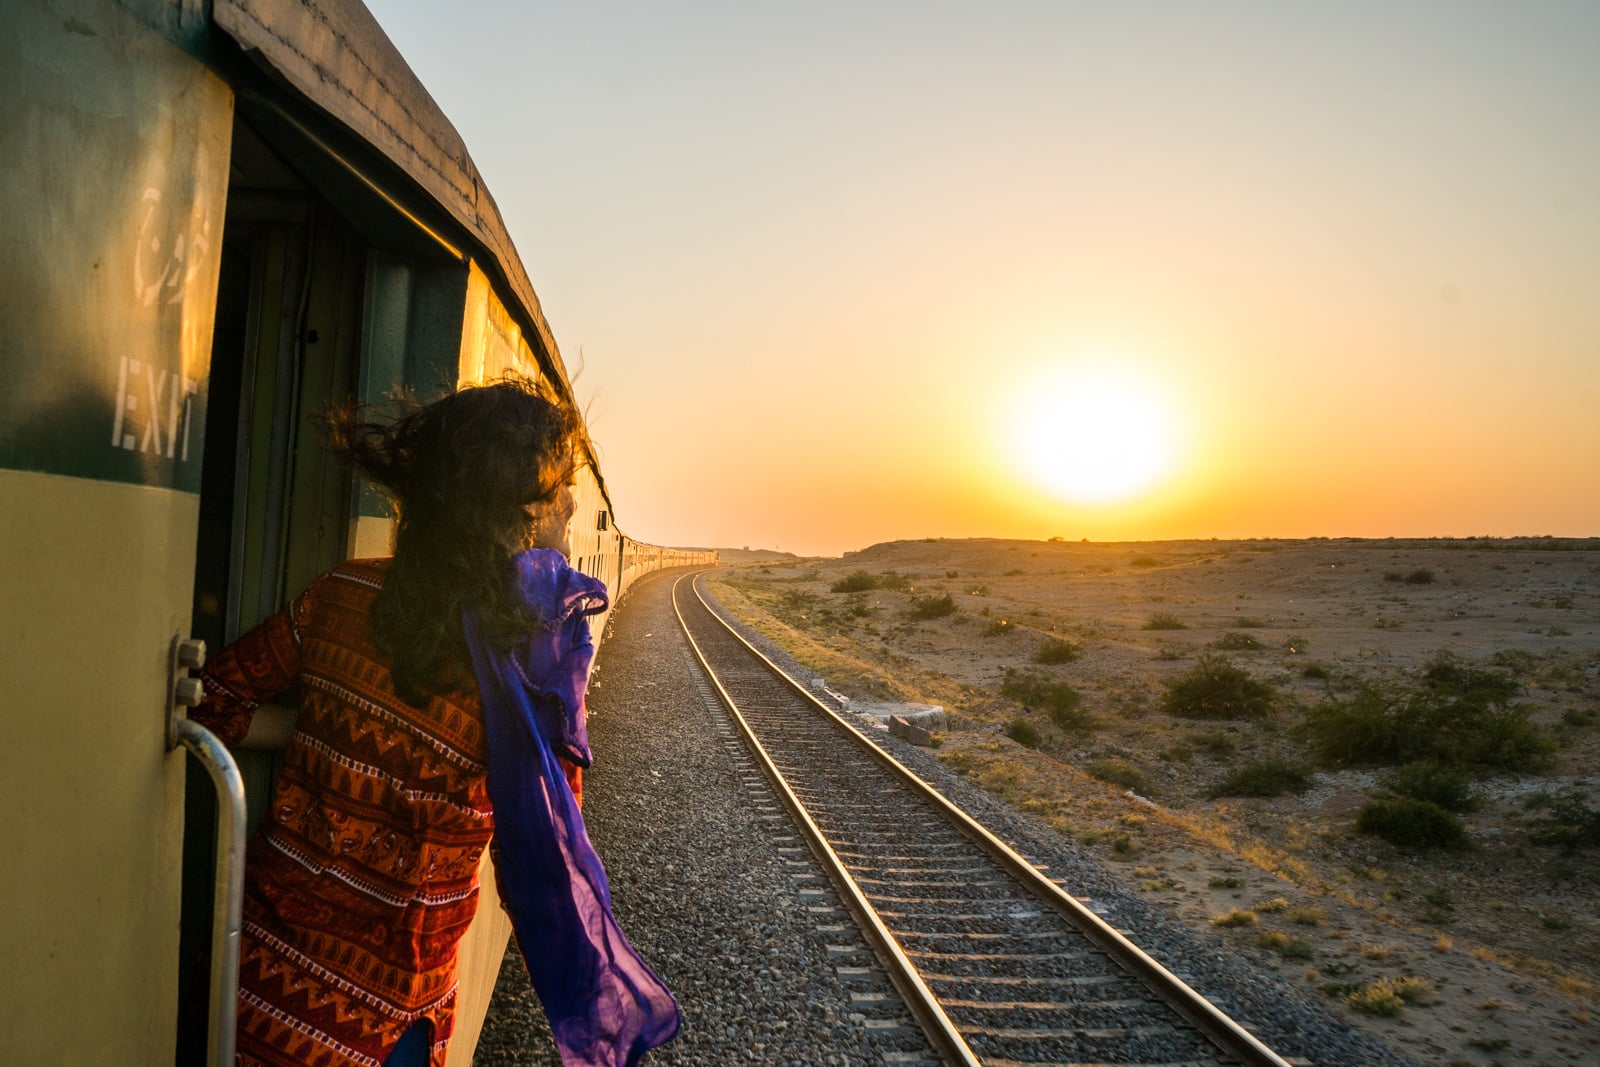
column 605, row 1005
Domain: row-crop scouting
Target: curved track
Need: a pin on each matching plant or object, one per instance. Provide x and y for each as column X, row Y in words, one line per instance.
column 998, row 964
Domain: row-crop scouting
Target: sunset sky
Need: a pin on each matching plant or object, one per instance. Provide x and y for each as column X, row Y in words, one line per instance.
column 835, row 273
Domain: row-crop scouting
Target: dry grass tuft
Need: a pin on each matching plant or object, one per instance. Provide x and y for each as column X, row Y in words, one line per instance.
column 1387, row 997
column 1236, row 917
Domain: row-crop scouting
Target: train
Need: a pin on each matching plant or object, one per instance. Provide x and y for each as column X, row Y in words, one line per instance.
column 220, row 216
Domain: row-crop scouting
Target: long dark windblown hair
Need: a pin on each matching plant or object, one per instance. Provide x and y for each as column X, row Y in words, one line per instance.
column 462, row 472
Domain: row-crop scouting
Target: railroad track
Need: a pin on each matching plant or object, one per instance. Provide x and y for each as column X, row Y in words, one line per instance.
column 997, row 963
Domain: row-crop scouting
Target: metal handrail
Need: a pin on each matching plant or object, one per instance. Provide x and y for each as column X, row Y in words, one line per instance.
column 228, row 892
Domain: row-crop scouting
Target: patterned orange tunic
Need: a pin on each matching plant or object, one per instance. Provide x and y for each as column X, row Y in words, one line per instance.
column 363, row 876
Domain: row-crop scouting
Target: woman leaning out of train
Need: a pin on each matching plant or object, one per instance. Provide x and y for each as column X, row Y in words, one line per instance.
column 441, row 704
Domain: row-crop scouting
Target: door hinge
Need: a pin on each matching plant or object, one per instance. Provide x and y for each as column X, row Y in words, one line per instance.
column 183, row 655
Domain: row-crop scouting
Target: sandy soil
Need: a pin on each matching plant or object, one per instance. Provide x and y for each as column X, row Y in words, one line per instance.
column 1504, row 935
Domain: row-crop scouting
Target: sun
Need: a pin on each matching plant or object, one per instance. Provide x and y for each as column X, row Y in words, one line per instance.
column 1095, row 434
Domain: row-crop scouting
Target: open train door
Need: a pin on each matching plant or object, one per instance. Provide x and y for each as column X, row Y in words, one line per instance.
column 273, row 510
column 325, row 294
column 116, row 144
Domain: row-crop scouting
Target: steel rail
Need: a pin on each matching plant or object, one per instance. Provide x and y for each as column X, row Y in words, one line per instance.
column 919, row 999
column 1207, row 1019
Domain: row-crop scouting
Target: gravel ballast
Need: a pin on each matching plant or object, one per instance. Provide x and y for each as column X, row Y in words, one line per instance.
column 697, row 879
column 704, row 880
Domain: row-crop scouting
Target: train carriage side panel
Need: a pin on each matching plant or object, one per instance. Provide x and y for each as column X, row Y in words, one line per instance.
column 117, row 147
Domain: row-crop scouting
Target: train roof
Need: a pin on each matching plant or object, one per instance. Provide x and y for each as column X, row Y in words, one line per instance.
column 335, row 54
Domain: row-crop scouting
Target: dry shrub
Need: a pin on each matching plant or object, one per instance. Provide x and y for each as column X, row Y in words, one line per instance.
column 1056, row 651
column 1386, row 997
column 855, row 582
column 1117, row 772
column 932, row 607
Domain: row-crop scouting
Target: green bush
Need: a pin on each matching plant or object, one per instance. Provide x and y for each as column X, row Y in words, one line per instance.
column 1055, row 651
column 1215, row 689
column 1505, row 739
column 932, row 607
column 1420, row 576
column 1263, row 778
column 1117, row 772
column 855, row 582
column 1024, row 733
column 798, row 600
column 1578, row 718
column 1565, row 820
column 1375, row 728
column 1448, row 787
column 1073, row 719
column 1445, row 674
column 1297, row 948
column 1367, row 727
column 1165, row 621
column 1441, row 907
column 1296, row 645
column 893, row 580
column 998, row 628
column 1030, row 688
column 1412, row 824
column 1058, row 700
column 1518, row 661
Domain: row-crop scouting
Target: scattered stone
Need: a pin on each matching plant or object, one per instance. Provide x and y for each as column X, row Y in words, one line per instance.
column 907, row 731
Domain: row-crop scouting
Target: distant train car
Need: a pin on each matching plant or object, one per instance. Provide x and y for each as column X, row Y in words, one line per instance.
column 217, row 218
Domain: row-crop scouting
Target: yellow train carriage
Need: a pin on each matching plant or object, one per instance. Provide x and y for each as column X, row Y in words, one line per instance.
column 217, row 217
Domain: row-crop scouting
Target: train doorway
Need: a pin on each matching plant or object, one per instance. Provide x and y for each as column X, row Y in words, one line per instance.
column 274, row 508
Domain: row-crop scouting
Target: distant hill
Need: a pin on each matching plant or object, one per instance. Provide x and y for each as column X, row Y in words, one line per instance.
column 755, row 555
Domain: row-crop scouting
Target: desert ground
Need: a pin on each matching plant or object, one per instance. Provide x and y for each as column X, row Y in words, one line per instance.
column 1481, row 952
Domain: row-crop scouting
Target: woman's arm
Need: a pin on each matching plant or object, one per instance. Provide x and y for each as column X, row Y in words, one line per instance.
column 271, row 727
column 262, row 664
